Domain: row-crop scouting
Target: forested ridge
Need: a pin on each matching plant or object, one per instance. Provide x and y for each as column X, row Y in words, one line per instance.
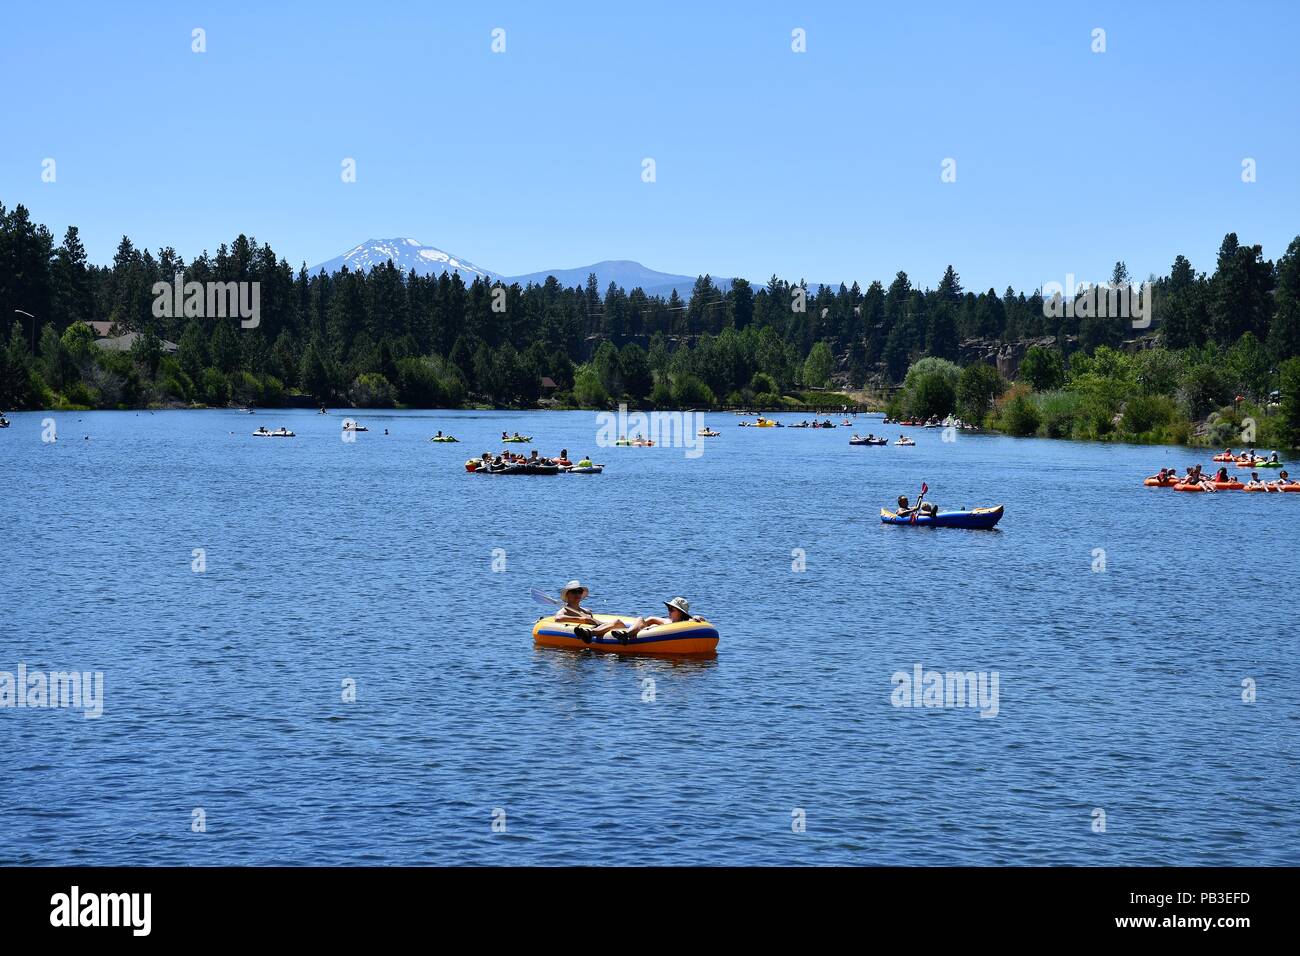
column 384, row 337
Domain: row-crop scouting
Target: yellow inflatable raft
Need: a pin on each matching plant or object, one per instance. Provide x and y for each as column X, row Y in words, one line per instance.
column 695, row 637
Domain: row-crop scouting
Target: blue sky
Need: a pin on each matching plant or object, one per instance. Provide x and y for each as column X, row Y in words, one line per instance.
column 824, row 165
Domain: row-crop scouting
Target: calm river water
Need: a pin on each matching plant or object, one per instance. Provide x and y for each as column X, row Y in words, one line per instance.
column 1124, row 625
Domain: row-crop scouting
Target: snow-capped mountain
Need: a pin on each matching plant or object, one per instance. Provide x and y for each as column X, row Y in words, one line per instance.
column 407, row 254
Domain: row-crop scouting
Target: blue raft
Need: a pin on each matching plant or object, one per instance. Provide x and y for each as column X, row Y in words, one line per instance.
column 977, row 518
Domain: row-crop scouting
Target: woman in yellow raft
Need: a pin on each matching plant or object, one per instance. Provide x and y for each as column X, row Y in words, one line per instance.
column 575, row 626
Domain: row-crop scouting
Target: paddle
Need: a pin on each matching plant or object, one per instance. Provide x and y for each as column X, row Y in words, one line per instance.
column 924, row 489
column 541, row 598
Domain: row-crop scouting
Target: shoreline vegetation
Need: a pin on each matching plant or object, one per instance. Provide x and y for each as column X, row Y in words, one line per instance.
column 1218, row 364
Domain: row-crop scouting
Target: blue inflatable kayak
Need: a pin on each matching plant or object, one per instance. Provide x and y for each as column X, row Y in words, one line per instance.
column 976, row 518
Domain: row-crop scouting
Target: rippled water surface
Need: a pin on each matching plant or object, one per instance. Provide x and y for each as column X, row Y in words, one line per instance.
column 1119, row 690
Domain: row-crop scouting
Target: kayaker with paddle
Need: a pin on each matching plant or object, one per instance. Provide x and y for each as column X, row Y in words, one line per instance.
column 923, row 508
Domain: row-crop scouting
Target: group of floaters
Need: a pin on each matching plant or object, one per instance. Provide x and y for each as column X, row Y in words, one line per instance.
column 262, row 432
column 508, row 463
column 871, row 439
column 1196, row 480
column 1248, row 459
column 574, row 626
column 934, row 421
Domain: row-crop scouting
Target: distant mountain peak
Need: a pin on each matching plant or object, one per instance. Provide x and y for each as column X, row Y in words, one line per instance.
column 407, row 254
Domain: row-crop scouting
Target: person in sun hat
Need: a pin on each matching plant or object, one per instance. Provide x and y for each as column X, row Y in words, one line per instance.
column 679, row 610
column 573, row 595
column 585, row 624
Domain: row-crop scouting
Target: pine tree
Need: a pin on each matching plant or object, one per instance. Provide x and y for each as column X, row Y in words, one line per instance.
column 1284, row 332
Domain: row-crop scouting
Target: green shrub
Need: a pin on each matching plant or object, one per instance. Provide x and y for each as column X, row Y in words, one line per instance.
column 172, row 387
column 1042, row 368
column 977, row 388
column 1019, row 416
column 1057, row 412
column 417, row 383
column 213, row 388
column 1095, row 419
column 1223, row 431
column 690, row 391
column 270, row 392
column 661, row 396
column 588, row 392
column 79, row 395
column 1289, row 426
column 763, row 384
column 1144, row 413
column 371, row 390
column 930, row 394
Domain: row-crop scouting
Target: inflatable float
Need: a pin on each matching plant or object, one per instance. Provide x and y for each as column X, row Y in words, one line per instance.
column 475, row 466
column 1157, row 483
column 585, row 469
column 705, row 433
column 517, row 438
column 905, row 442
column 977, row 518
column 694, row 637
column 444, row 438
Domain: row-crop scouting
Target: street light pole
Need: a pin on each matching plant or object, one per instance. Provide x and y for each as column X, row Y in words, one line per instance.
column 33, row 318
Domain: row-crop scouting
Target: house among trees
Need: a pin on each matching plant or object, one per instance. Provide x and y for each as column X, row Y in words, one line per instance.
column 123, row 343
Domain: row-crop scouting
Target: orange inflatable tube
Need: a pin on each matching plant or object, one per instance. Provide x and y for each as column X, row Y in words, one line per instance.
column 695, row 637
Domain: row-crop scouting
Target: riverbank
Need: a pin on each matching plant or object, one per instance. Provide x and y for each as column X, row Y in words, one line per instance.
column 1157, row 396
